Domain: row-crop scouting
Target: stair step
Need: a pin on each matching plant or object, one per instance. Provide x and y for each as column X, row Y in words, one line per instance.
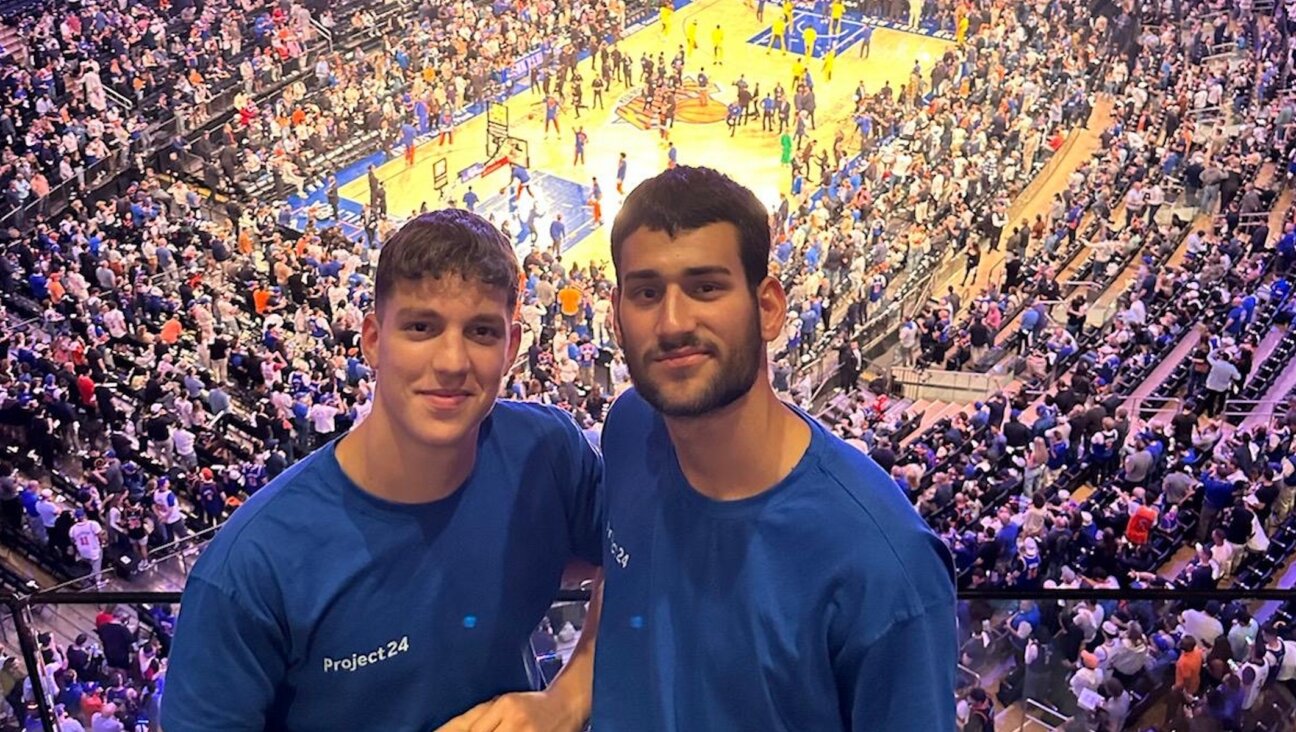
column 952, row 409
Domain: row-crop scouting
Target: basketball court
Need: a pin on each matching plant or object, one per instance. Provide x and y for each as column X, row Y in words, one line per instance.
column 485, row 143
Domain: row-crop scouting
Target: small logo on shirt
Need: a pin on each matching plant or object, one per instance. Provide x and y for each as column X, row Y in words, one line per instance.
column 619, row 554
column 358, row 661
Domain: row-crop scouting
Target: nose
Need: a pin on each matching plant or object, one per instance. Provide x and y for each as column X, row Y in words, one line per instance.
column 450, row 357
column 675, row 316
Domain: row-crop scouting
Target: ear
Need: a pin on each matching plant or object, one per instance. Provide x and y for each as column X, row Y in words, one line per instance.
column 369, row 329
column 771, row 301
column 616, row 315
column 515, row 344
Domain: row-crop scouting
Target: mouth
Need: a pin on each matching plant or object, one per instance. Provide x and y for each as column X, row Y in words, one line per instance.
column 443, row 400
column 683, row 358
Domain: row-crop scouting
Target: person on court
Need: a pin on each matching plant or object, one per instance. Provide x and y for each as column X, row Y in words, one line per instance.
column 408, row 137
column 551, row 115
column 808, row 37
column 580, row 142
column 717, row 44
column 838, row 11
column 760, row 573
column 392, row 579
column 621, row 175
column 778, row 35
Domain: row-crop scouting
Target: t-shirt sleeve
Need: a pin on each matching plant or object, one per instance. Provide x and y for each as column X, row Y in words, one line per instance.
column 584, row 483
column 904, row 679
column 222, row 650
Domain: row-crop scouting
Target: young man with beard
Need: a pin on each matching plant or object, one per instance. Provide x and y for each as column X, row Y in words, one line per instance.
column 392, row 579
column 761, row 574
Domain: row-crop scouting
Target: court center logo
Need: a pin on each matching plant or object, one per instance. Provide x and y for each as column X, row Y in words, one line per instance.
column 692, row 105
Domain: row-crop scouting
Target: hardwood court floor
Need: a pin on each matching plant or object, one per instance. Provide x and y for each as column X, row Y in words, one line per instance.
column 752, row 156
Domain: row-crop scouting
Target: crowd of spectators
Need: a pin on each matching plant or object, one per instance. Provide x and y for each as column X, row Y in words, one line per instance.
column 1067, row 483
column 162, row 362
column 96, row 87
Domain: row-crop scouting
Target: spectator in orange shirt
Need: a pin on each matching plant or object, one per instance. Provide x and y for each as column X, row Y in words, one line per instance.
column 261, row 299
column 55, row 287
column 1188, row 671
column 171, row 330
column 569, row 300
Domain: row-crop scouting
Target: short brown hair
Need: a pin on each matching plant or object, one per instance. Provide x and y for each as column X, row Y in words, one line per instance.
column 450, row 241
column 685, row 198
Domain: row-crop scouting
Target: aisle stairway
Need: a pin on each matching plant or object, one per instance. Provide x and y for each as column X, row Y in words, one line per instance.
column 11, row 46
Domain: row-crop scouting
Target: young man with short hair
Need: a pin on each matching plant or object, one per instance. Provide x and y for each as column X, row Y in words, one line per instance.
column 761, row 574
column 392, row 579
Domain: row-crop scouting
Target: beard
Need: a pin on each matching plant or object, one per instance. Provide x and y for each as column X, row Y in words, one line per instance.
column 734, row 375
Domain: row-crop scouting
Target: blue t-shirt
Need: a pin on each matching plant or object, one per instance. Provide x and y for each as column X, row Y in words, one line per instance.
column 320, row 606
column 824, row 603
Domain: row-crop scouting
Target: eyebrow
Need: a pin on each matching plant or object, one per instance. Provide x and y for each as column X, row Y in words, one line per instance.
column 417, row 313
column 703, row 271
column 430, row 314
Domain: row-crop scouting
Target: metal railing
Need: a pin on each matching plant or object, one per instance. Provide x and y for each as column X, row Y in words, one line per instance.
column 1036, row 713
column 1247, row 407
column 97, row 177
column 958, row 385
column 118, row 98
column 22, row 606
column 325, row 32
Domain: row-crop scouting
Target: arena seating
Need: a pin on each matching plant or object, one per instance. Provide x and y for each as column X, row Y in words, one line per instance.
column 1031, row 487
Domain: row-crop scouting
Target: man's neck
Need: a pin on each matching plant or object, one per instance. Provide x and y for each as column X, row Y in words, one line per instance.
column 383, row 462
column 742, row 450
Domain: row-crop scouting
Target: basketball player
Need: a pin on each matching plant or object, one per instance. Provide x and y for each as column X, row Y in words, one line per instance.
column 596, row 201
column 580, row 142
column 621, row 174
column 809, row 36
column 838, row 11
column 778, row 35
column 761, row 573
column 446, row 126
column 690, row 34
column 408, row 136
column 717, row 44
column 551, row 115
column 392, row 579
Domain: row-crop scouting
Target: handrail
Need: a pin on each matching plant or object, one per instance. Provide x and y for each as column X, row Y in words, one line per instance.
column 118, row 98
column 1282, row 400
column 325, row 32
column 1045, row 709
column 20, row 606
column 164, row 552
column 975, row 676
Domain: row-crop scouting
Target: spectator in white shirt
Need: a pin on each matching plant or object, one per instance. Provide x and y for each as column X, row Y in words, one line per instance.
column 166, row 507
column 184, row 447
column 87, row 537
column 323, row 416
column 1204, row 625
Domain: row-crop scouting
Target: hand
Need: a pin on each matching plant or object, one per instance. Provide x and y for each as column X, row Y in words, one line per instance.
column 536, row 711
